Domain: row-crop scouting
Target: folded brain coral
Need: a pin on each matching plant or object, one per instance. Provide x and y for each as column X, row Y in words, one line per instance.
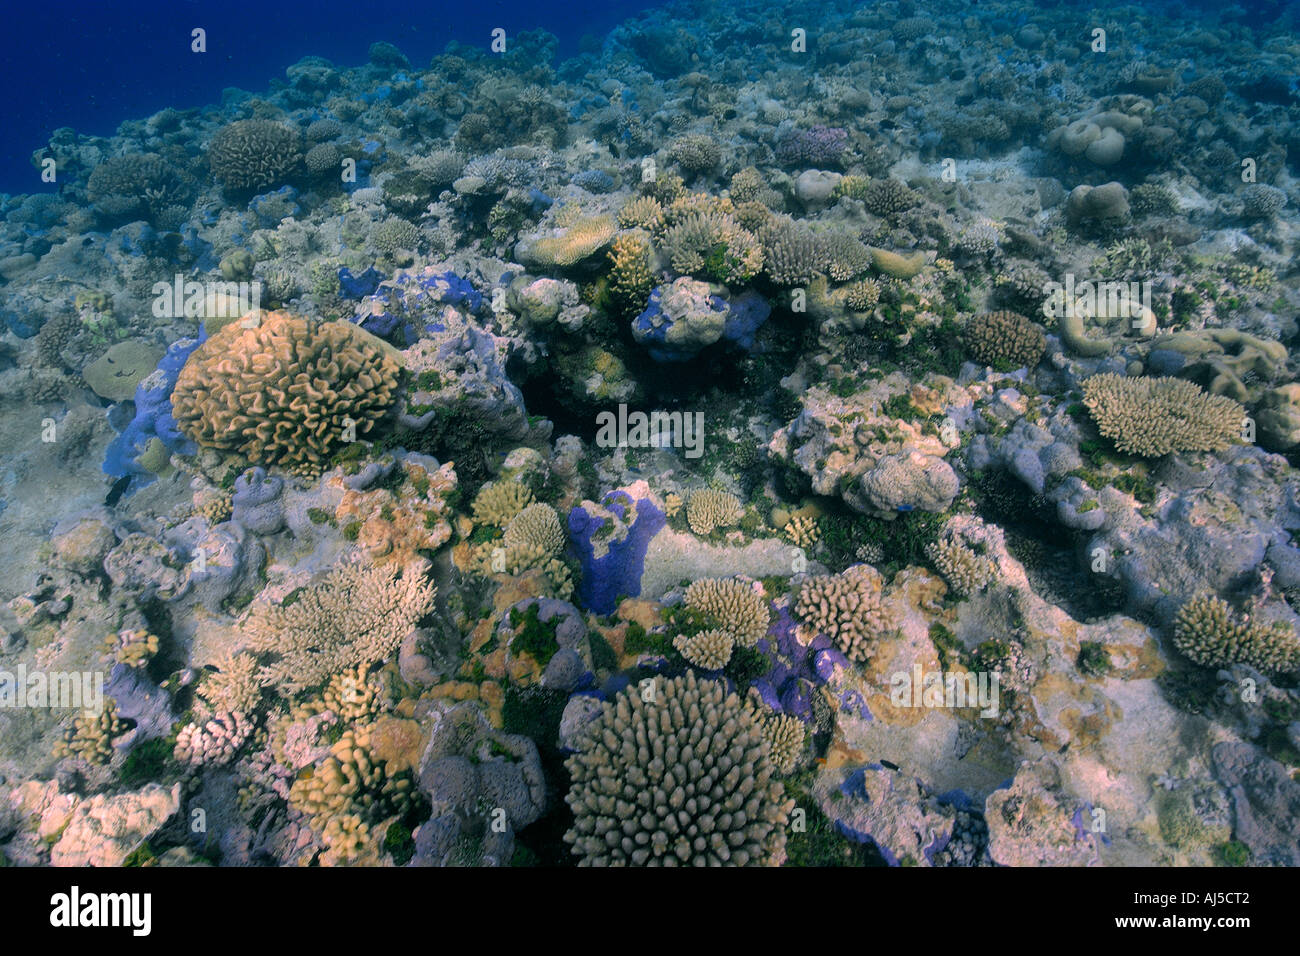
column 289, row 390
column 708, row 650
column 537, row 525
column 1005, row 337
column 684, row 779
column 354, row 615
column 250, row 155
column 1155, row 416
column 847, row 608
column 710, row 508
column 1206, row 630
column 732, row 605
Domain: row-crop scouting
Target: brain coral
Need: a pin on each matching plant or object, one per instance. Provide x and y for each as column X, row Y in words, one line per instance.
column 285, row 390
column 996, row 337
column 250, row 155
column 1155, row 416
column 683, row 779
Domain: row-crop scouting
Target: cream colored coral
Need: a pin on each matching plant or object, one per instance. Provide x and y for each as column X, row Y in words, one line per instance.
column 708, row 650
column 680, row 777
column 710, row 508
column 965, row 571
column 847, row 608
column 234, row 685
column 732, row 605
column 133, row 647
column 803, row 531
column 538, row 525
column 91, row 738
column 498, row 502
column 785, row 735
column 354, row 615
column 672, row 503
column 1155, row 416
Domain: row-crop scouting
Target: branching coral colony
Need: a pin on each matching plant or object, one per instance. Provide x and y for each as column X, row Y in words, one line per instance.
column 615, row 461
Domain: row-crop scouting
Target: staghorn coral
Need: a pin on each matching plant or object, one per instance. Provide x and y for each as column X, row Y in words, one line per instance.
column 683, row 779
column 994, row 338
column 732, row 605
column 708, row 650
column 631, row 276
column 538, row 526
column 251, row 155
column 888, row 197
column 288, row 390
column 352, row 615
column 642, row 212
column 1209, row 633
column 497, row 503
column 1152, row 417
column 710, row 508
column 1261, row 201
column 790, row 252
column 713, row 246
column 844, row 256
column 862, row 296
column 846, row 607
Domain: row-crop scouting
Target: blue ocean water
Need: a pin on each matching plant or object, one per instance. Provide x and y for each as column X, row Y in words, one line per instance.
column 94, row 65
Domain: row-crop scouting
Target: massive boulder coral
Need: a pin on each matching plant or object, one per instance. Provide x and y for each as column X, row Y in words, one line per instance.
column 250, row 155
column 287, row 390
column 684, row 778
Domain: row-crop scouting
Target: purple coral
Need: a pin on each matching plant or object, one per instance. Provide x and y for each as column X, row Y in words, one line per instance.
column 819, row 146
column 798, row 670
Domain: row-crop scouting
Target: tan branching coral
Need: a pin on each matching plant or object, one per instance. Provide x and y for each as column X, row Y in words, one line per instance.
column 353, row 615
column 708, row 650
column 537, row 526
column 732, row 605
column 710, row 508
column 643, row 212
column 847, row 608
column 1209, row 633
column 683, row 778
column 785, row 736
column 967, row 569
column 288, row 390
column 91, row 738
column 1155, row 416
column 497, row 503
column 232, row 685
column 803, row 531
column 133, row 647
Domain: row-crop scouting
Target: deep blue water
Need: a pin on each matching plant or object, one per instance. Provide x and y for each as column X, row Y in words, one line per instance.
column 92, row 65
